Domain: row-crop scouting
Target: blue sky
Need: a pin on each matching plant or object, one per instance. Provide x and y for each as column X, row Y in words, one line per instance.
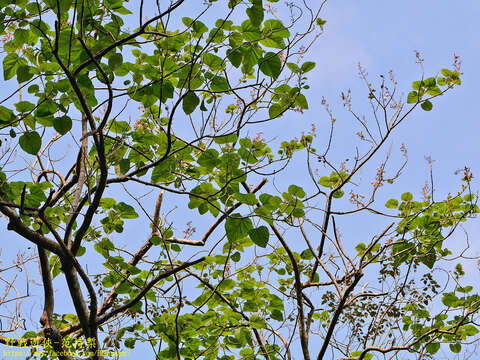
column 383, row 35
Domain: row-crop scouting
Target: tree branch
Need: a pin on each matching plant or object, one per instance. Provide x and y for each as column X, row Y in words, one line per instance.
column 17, row 225
column 142, row 293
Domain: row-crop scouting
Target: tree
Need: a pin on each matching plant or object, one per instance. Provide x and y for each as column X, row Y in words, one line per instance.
column 118, row 100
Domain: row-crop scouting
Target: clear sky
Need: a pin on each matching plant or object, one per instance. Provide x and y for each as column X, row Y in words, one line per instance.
column 383, row 35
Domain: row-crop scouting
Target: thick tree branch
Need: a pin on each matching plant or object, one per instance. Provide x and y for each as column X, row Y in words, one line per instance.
column 70, row 266
column 81, row 168
column 336, row 315
column 137, row 257
column 142, row 293
column 50, row 330
column 16, row 224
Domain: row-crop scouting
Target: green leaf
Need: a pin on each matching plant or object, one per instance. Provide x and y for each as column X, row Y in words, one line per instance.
column 250, row 31
column 119, row 127
column 275, row 110
column 306, row 254
column 273, row 34
column 429, row 82
column 435, row 91
column 426, row 105
column 470, row 330
column 32, row 89
column 235, row 56
column 124, row 166
column 190, row 102
column 320, row 22
column 465, row 290
column 81, row 251
column 227, row 284
column 325, row 181
column 219, row 83
column 301, row 101
column 428, row 259
column 338, row 194
column 251, row 57
column 276, row 315
column 257, row 322
column 237, row 227
column 10, row 64
column 6, row 115
column 225, row 139
column 449, row 300
column 447, row 73
column 123, row 11
column 202, row 106
column 248, row 199
column 130, row 343
column 392, row 204
column 407, row 196
column 115, row 61
column 156, row 240
column 64, row 5
column 208, row 159
column 297, row 212
column 163, row 171
column 166, row 91
column 29, row 334
column 412, row 97
column 270, row 65
column 24, row 106
column 442, row 81
column 107, row 203
column 416, row 85
column 361, row 248
column 46, row 108
column 358, row 353
column 259, row 236
column 224, row 24
column 62, row 124
column 296, row 191
column 293, row 67
column 21, row 36
column 214, row 62
column 455, row 348
column 216, row 36
column 199, row 28
column 30, row 142
column 123, row 288
column 126, row 211
column 432, row 348
column 236, row 256
column 113, row 4
column 255, row 13
column 23, row 73
column 307, row 66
